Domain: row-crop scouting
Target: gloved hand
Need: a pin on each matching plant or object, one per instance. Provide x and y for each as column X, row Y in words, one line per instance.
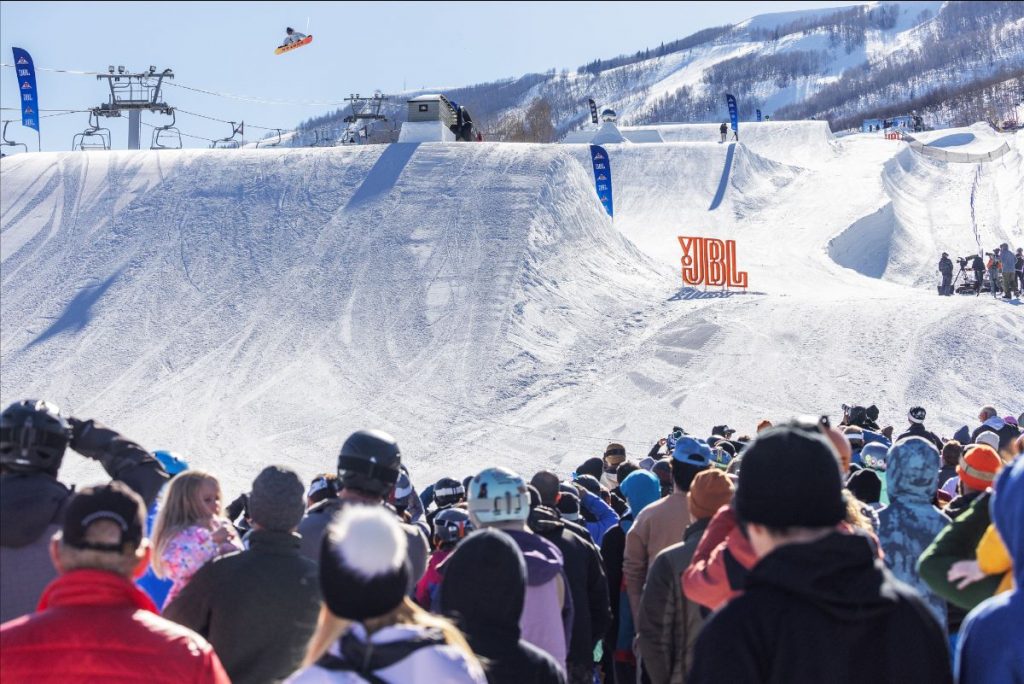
column 78, row 429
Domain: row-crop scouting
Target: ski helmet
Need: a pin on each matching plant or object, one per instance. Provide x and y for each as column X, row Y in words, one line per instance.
column 496, row 495
column 451, row 525
column 369, row 462
column 33, row 436
column 448, row 492
column 172, row 462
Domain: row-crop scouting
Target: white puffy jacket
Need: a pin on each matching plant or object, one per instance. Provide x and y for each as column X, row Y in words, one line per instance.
column 430, row 665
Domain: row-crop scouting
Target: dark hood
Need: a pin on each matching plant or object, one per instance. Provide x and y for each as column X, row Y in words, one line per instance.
column 29, row 503
column 839, row 574
column 545, row 522
column 1008, row 514
column 484, row 586
column 543, row 559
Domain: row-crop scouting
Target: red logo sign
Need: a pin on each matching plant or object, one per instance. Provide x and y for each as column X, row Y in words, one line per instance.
column 708, row 261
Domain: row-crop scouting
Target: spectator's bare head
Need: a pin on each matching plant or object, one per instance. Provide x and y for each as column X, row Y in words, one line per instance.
column 546, row 483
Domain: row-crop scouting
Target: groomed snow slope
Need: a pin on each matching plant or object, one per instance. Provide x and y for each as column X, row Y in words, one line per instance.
column 255, row 306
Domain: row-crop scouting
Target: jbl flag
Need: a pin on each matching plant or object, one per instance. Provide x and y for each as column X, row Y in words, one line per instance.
column 602, row 176
column 26, row 80
column 593, row 110
column 734, row 116
column 758, row 114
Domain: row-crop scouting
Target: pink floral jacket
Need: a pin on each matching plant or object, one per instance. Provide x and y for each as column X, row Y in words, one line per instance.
column 189, row 550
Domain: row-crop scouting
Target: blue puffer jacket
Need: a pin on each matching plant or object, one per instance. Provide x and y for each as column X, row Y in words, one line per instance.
column 910, row 522
column 989, row 650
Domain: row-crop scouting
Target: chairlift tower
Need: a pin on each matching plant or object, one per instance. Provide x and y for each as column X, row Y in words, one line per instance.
column 365, row 113
column 134, row 93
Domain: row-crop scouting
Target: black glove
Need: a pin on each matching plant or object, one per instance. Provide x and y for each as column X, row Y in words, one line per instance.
column 238, row 507
column 78, row 430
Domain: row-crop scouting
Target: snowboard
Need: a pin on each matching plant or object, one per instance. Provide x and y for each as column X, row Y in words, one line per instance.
column 288, row 48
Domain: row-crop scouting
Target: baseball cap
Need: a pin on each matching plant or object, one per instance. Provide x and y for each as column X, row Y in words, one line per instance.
column 115, row 502
column 691, row 450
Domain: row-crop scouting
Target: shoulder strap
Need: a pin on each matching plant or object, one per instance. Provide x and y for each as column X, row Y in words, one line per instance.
column 366, row 658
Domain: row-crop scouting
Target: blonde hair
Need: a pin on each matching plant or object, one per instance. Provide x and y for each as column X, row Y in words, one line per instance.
column 855, row 517
column 180, row 509
column 329, row 629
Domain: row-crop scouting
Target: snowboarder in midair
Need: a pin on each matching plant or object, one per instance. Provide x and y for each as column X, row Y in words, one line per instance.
column 724, row 130
column 292, row 37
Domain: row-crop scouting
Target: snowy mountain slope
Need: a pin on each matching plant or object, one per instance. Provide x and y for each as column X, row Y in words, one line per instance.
column 253, row 306
column 836, row 64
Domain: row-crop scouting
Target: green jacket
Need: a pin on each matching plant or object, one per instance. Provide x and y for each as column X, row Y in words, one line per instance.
column 957, row 542
column 258, row 608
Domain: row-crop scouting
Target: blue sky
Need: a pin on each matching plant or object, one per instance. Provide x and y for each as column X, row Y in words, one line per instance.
column 227, row 48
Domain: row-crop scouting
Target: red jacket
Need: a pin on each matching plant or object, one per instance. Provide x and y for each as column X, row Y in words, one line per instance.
column 719, row 565
column 96, row 626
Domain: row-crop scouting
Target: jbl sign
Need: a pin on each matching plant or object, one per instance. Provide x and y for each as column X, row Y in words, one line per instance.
column 708, row 261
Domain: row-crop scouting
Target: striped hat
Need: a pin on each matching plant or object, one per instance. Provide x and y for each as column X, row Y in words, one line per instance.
column 978, row 467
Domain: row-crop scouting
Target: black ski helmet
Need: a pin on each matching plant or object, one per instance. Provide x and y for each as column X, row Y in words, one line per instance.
column 289, row 30
column 448, row 492
column 451, row 525
column 369, row 462
column 33, row 436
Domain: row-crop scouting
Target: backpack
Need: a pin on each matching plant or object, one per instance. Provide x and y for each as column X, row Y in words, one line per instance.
column 365, row 658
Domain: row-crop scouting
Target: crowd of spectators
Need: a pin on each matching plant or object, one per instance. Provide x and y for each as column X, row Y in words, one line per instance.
column 806, row 551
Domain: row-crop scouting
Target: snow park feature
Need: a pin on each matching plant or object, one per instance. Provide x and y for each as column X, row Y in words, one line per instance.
column 254, row 304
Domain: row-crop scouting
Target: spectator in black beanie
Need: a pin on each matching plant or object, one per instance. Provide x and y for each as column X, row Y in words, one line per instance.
column 866, row 486
column 483, row 590
column 815, row 591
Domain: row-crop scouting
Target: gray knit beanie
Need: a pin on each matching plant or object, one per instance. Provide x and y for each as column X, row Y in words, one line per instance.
column 276, row 502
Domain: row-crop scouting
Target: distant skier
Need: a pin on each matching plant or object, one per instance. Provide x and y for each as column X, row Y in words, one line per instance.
column 724, row 130
column 292, row 37
column 946, row 269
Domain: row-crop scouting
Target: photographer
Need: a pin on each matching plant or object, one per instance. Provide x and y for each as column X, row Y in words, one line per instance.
column 946, row 269
column 33, row 438
column 978, row 266
column 1018, row 268
column 993, row 272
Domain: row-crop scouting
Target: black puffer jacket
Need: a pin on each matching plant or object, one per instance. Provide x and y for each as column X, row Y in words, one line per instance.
column 483, row 588
column 257, row 608
column 32, row 509
column 826, row 611
column 587, row 582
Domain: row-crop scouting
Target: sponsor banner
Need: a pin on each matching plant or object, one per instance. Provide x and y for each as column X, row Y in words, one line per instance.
column 593, row 110
column 27, row 93
column 734, row 116
column 709, row 261
column 602, row 176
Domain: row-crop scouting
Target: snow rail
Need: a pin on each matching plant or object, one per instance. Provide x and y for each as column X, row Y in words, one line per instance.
column 953, row 156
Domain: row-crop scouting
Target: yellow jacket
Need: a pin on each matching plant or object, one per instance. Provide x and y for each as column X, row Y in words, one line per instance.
column 994, row 559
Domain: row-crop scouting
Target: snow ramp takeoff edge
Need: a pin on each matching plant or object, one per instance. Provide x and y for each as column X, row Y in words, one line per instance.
column 250, row 306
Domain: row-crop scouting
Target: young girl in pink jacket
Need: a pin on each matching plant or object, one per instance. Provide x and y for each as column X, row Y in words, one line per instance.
column 190, row 530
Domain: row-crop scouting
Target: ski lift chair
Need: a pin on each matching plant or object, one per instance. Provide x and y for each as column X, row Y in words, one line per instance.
column 10, row 143
column 229, row 143
column 93, row 137
column 270, row 142
column 167, row 137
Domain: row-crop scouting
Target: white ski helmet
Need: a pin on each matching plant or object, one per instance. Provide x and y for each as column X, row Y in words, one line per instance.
column 498, row 495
